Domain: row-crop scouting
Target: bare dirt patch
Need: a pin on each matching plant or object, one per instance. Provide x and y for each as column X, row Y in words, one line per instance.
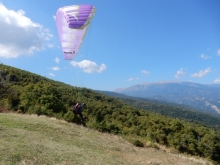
column 3, row 110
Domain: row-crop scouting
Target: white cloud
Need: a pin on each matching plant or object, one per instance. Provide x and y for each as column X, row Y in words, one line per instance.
column 57, row 60
column 201, row 73
column 51, row 74
column 55, row 68
column 145, row 72
column 54, row 17
column 217, row 80
column 49, row 45
column 19, row 34
column 132, row 78
column 218, row 52
column 203, row 56
column 89, row 66
column 179, row 73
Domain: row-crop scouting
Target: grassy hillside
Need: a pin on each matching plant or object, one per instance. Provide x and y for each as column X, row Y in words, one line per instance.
column 27, row 93
column 28, row 139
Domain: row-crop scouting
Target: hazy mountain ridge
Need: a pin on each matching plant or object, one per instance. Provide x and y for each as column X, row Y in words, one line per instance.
column 203, row 97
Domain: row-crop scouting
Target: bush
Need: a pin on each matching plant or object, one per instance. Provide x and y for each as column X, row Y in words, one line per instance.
column 69, row 116
column 138, row 143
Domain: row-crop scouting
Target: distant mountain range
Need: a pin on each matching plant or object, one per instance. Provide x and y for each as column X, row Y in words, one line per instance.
column 202, row 97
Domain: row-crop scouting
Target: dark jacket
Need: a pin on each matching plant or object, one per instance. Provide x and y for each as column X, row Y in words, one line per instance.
column 78, row 108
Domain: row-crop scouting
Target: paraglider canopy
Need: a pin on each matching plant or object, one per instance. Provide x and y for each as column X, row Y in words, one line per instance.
column 72, row 24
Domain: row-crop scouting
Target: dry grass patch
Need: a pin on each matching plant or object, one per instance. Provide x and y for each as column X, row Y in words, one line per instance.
column 29, row 139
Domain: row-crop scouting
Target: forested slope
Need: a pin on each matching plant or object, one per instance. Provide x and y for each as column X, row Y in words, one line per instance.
column 174, row 110
column 29, row 93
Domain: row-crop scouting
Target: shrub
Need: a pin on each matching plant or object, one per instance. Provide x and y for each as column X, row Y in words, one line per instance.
column 138, row 143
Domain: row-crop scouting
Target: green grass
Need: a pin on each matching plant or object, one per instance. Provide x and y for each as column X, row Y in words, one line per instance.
column 33, row 140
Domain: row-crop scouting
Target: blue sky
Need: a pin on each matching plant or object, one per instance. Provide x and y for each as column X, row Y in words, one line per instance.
column 128, row 43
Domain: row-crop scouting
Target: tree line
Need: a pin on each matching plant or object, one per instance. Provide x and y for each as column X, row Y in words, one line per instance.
column 28, row 93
